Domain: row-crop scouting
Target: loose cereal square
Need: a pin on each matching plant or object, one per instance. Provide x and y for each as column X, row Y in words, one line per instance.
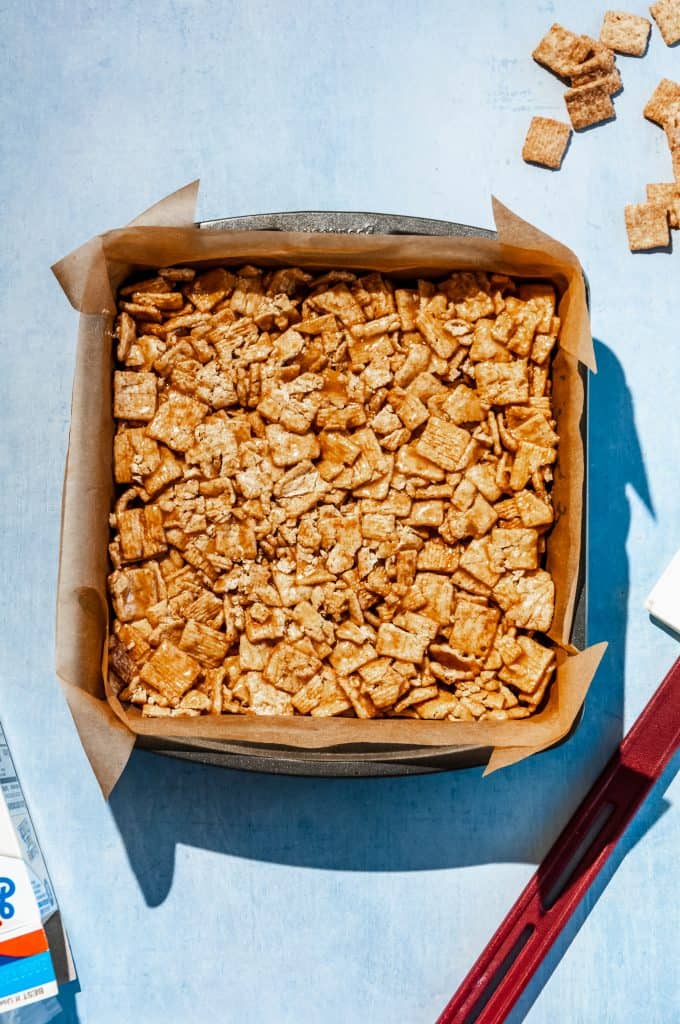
column 196, row 700
column 625, row 33
column 477, row 560
column 536, row 430
column 309, row 696
column 436, row 556
column 672, row 129
column 151, row 284
column 207, row 608
column 339, row 301
column 463, row 405
column 348, row 657
column 134, row 591
column 502, row 383
column 559, row 50
column 265, row 699
column 668, row 195
column 290, row 666
column 264, row 623
column 210, row 288
column 321, row 697
column 288, row 449
column 528, row 458
column 600, row 61
column 237, row 541
column 168, row 469
column 176, row 420
column 666, row 14
column 474, row 627
column 533, row 511
column 442, row 706
column 546, row 142
column 170, row 671
column 483, row 477
column 401, row 645
column 134, row 395
column 427, row 513
column 376, row 526
column 208, row 646
column 134, row 455
column 420, row 625
column 481, row 516
column 528, row 670
column 361, row 702
column 411, row 462
column 647, row 226
column 416, row 696
column 588, row 105
column 610, row 80
column 528, row 600
column 410, row 410
column 141, row 533
column 386, row 692
column 542, row 347
column 541, row 297
column 514, row 549
column 666, row 93
column 443, row 443
column 522, row 337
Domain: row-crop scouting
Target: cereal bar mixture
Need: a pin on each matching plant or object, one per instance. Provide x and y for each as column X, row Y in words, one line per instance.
column 334, row 491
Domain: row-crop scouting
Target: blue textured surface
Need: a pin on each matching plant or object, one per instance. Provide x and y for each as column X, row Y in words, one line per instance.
column 199, row 894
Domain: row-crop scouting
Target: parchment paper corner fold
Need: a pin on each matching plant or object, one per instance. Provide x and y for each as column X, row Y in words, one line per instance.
column 166, row 235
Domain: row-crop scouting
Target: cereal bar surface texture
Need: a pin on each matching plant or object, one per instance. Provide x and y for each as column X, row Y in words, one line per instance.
column 333, row 494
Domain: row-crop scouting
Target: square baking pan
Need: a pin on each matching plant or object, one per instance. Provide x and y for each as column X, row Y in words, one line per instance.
column 364, row 760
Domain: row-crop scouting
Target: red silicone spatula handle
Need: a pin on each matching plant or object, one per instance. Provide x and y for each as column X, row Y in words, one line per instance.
column 506, row 966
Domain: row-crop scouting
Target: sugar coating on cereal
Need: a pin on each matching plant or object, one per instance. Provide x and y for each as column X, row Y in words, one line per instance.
column 624, row 33
column 546, row 142
column 666, row 14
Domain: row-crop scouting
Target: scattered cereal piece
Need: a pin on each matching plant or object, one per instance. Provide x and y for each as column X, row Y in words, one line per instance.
column 170, row 671
column 647, row 226
column 672, row 129
column 599, row 63
column 589, row 105
column 546, row 142
column 141, row 533
column 611, row 81
column 526, row 671
column 135, row 455
column 560, row 50
column 134, row 591
column 666, row 14
column 625, row 33
column 666, row 93
column 400, row 644
column 134, row 395
column 176, row 419
column 473, row 628
column 669, row 196
column 529, row 599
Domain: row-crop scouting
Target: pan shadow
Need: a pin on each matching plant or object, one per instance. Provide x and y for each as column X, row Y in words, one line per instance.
column 419, row 822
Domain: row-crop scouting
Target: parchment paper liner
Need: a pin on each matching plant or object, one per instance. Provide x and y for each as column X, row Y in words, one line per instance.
column 166, row 235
